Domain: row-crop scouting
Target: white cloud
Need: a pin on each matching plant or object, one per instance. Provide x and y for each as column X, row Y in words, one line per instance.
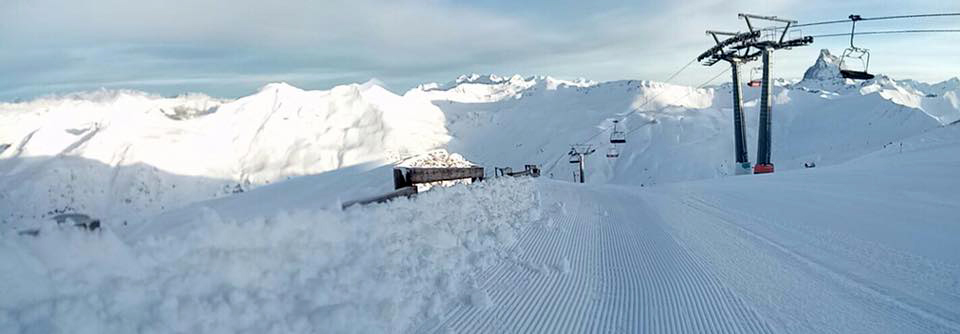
column 54, row 44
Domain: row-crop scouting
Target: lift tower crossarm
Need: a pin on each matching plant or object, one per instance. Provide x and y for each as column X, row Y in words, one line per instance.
column 762, row 17
column 717, row 51
column 747, row 17
column 721, row 33
column 785, row 29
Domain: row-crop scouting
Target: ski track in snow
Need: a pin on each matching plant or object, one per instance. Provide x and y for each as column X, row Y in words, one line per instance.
column 625, row 274
column 882, row 301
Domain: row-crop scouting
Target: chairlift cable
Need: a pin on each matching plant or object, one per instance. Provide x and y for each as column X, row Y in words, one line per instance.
column 624, row 117
column 820, row 23
column 908, row 16
column 875, row 19
column 669, row 79
column 883, row 32
column 701, row 86
column 675, row 74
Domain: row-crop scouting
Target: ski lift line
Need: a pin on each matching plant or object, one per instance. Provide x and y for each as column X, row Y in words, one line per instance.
column 692, row 61
column 669, row 79
column 701, row 86
column 877, row 18
column 624, row 117
column 864, row 19
column 883, row 32
column 561, row 157
column 675, row 74
column 598, row 133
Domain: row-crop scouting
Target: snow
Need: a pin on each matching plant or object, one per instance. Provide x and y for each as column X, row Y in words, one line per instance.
column 937, row 100
column 120, row 156
column 865, row 246
column 476, row 88
column 376, row 269
column 225, row 215
column 126, row 156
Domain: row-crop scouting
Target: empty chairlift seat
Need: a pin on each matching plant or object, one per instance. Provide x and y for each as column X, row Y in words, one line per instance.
column 855, row 61
column 617, row 136
column 754, row 78
column 612, row 152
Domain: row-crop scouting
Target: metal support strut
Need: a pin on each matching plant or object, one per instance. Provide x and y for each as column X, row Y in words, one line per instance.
column 766, row 112
column 739, row 132
column 578, row 155
column 581, row 169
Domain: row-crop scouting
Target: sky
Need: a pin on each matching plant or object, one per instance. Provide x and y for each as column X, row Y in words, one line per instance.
column 232, row 48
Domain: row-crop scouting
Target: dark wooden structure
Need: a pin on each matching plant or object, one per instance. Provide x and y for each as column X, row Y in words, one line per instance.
column 528, row 170
column 406, row 178
column 405, row 192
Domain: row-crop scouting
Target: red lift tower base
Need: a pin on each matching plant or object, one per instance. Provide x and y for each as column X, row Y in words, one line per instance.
column 763, row 168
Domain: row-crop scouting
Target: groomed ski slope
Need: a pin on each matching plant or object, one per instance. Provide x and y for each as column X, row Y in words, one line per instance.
column 601, row 263
column 864, row 247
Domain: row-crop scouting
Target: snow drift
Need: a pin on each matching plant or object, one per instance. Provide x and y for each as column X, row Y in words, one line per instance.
column 378, row 269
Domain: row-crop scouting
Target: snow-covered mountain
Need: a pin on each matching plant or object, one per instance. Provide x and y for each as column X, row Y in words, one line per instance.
column 235, row 222
column 938, row 100
column 825, row 70
column 130, row 155
column 678, row 133
column 476, row 88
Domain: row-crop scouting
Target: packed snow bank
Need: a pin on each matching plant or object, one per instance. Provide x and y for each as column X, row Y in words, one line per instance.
column 327, row 190
column 323, row 191
column 375, row 269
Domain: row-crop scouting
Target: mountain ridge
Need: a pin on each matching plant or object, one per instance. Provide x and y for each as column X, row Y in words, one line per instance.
column 675, row 133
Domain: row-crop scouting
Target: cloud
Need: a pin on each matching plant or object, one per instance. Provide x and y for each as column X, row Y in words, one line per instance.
column 178, row 45
column 112, row 40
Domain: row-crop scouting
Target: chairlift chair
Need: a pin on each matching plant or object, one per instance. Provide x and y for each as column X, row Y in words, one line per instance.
column 754, row 78
column 612, row 152
column 853, row 52
column 574, row 158
column 617, row 136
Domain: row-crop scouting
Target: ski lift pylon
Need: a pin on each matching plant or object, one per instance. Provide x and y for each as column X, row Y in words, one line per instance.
column 853, row 52
column 617, row 136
